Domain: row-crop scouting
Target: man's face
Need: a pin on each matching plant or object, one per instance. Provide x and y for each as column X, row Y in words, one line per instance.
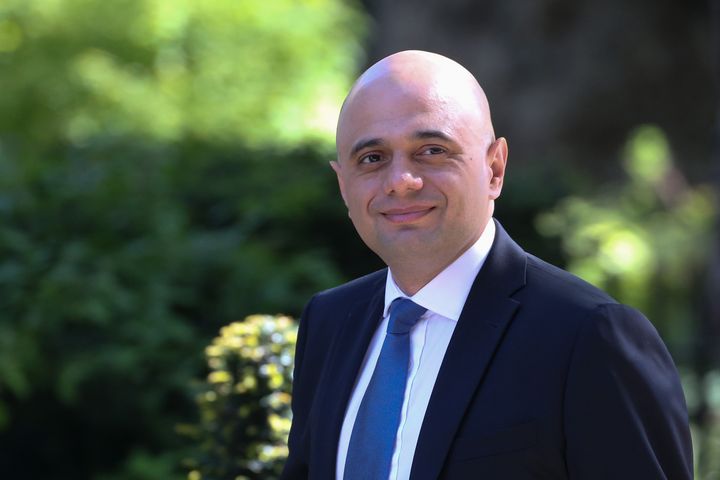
column 418, row 170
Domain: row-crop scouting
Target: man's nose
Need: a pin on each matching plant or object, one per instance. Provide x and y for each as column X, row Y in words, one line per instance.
column 403, row 177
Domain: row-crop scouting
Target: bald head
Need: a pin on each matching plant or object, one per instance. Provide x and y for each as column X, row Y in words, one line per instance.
column 423, row 75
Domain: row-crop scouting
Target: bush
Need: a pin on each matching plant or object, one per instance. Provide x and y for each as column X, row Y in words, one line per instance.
column 117, row 269
column 245, row 403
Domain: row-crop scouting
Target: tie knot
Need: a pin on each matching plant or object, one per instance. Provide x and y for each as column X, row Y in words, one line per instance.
column 404, row 314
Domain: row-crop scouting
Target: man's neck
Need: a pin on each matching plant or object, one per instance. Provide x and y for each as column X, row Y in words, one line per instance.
column 412, row 274
column 446, row 292
column 418, row 274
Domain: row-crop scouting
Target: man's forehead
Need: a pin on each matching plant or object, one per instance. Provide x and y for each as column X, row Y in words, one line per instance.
column 420, row 86
column 407, row 85
column 379, row 110
column 405, row 116
column 389, row 96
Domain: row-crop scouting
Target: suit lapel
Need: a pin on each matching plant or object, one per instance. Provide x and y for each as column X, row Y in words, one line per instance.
column 348, row 351
column 486, row 315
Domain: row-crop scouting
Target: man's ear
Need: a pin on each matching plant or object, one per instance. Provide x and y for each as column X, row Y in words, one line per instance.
column 336, row 167
column 497, row 160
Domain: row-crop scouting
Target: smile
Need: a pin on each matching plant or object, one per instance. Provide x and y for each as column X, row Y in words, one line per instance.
column 406, row 215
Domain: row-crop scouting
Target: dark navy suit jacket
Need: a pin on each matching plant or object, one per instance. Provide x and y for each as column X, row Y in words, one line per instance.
column 545, row 377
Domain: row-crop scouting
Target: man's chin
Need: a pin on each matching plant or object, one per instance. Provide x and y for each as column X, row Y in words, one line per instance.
column 407, row 244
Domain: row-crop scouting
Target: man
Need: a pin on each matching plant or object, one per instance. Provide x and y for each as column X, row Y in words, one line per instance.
column 493, row 364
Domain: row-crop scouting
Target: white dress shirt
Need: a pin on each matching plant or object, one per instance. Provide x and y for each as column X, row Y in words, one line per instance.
column 444, row 297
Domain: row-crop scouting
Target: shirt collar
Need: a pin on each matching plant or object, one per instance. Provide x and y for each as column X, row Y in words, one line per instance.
column 446, row 293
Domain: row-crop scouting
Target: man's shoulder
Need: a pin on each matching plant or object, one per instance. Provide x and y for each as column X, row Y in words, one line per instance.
column 542, row 283
column 558, row 285
column 361, row 288
column 566, row 305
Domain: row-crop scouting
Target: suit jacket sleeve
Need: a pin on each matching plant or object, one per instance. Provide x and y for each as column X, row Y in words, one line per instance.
column 296, row 463
column 625, row 413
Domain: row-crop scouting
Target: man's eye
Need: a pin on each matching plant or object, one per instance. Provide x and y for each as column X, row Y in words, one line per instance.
column 432, row 151
column 370, row 158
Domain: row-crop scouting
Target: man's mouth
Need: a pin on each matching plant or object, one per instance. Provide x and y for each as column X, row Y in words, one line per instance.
column 406, row 214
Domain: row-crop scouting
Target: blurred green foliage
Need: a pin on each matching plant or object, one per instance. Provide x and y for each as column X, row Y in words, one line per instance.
column 163, row 172
column 245, row 402
column 247, row 71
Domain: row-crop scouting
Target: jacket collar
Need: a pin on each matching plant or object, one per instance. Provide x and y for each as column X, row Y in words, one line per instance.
column 486, row 315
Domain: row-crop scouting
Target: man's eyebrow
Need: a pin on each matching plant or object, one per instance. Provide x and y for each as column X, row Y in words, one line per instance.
column 365, row 143
column 418, row 135
column 428, row 134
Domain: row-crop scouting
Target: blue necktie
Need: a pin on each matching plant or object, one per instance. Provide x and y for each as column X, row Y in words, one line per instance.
column 373, row 436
